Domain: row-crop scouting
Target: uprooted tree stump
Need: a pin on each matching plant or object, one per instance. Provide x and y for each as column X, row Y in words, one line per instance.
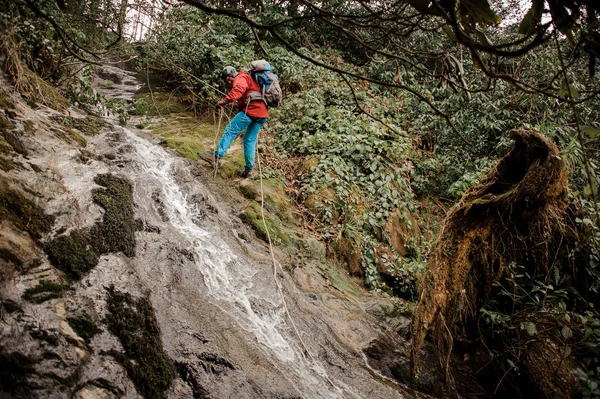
column 517, row 213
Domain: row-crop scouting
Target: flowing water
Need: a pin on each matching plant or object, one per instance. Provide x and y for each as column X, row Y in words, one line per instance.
column 228, row 278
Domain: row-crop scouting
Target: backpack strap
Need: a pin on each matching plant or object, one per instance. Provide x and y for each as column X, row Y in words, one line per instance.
column 255, row 96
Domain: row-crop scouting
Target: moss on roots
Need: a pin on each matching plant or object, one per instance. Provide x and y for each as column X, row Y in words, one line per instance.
column 516, row 214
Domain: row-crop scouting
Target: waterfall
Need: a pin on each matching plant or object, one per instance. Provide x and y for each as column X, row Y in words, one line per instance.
column 228, row 278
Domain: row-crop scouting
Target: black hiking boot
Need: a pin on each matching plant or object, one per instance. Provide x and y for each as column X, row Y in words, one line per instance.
column 248, row 173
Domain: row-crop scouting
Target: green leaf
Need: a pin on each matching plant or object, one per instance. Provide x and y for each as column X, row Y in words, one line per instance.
column 450, row 33
column 532, row 19
column 480, row 11
column 483, row 37
column 574, row 93
column 590, row 189
column 570, row 90
column 530, row 328
column 591, row 131
column 566, row 332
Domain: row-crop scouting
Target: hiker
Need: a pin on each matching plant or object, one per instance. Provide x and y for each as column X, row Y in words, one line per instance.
column 253, row 113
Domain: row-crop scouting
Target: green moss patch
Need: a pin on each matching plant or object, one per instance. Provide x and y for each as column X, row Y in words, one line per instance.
column 72, row 254
column 5, row 123
column 10, row 306
column 184, row 147
column 134, row 323
column 23, row 213
column 249, row 189
column 29, row 127
column 70, row 136
column 116, row 232
column 38, row 91
column 44, row 291
column 9, row 256
column 84, row 326
column 6, row 164
column 5, row 101
column 88, row 125
column 77, row 253
column 160, row 104
column 254, row 218
column 186, row 135
column 233, row 165
column 275, row 198
column 14, row 140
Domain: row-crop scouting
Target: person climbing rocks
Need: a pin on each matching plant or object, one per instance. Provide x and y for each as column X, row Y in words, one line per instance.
column 253, row 113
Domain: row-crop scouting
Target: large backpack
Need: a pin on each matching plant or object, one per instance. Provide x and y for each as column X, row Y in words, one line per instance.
column 270, row 91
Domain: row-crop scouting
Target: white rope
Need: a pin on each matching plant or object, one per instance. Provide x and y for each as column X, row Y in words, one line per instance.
column 215, row 144
column 275, row 264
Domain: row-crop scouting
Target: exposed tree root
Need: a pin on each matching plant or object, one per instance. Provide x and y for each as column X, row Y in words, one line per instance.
column 516, row 214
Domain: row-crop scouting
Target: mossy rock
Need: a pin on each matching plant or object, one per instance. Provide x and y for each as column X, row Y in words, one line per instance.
column 70, row 136
column 5, row 101
column 6, row 164
column 13, row 138
column 162, row 104
column 84, row 326
column 116, row 232
column 9, row 256
column 186, row 135
column 23, row 213
column 253, row 217
column 133, row 322
column 77, row 253
column 72, row 254
column 5, row 148
column 37, row 91
column 275, row 198
column 5, row 123
column 89, row 126
column 231, row 167
column 29, row 127
column 185, row 148
column 44, row 291
column 249, row 189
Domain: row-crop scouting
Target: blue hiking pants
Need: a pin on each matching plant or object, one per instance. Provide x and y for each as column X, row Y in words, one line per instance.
column 240, row 122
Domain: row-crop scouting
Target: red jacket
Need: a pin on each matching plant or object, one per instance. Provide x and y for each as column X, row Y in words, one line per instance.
column 243, row 84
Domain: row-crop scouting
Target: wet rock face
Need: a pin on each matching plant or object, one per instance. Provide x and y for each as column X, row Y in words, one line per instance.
column 137, row 278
